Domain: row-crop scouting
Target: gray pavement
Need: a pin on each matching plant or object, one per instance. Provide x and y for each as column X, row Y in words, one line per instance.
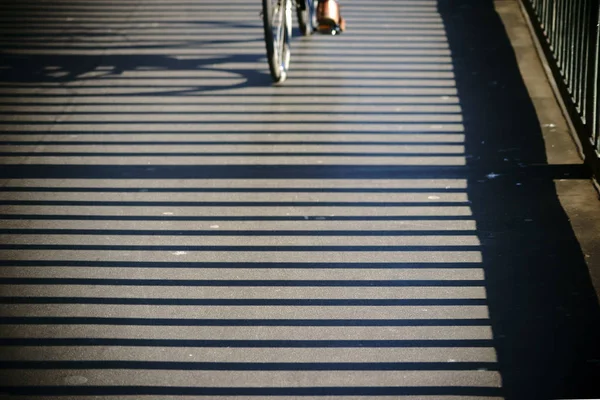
column 387, row 223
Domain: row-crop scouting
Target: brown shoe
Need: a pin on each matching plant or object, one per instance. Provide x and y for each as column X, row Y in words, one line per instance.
column 329, row 20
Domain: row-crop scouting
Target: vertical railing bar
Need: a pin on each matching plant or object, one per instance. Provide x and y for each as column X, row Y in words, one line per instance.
column 552, row 39
column 592, row 72
column 550, row 17
column 595, row 114
column 585, row 61
column 586, row 49
column 580, row 33
column 577, row 51
column 564, row 39
column 555, row 39
column 558, row 39
column 587, row 55
column 569, row 16
column 545, row 5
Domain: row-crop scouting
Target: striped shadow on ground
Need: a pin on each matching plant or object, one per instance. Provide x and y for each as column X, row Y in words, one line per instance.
column 119, row 287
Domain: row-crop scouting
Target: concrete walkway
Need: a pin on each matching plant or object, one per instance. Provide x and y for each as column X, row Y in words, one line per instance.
column 391, row 222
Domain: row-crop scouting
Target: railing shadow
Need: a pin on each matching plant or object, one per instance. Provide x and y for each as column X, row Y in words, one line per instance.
column 543, row 307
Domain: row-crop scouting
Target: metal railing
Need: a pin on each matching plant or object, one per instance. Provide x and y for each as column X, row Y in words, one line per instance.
column 569, row 34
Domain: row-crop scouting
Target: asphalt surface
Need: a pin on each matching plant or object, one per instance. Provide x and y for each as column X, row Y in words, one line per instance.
column 384, row 224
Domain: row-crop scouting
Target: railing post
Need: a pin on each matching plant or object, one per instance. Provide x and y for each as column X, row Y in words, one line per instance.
column 596, row 103
column 592, row 111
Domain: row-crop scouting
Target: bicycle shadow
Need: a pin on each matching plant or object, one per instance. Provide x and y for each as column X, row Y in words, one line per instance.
column 64, row 69
column 48, row 62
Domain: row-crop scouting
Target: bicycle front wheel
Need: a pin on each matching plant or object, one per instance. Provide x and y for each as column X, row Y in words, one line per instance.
column 277, row 16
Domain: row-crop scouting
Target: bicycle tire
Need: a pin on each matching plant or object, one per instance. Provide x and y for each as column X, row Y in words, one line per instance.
column 277, row 37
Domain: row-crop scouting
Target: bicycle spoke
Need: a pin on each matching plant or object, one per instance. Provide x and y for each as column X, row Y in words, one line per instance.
column 278, row 30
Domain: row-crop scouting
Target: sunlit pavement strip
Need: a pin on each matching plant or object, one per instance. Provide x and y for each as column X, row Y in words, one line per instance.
column 236, row 287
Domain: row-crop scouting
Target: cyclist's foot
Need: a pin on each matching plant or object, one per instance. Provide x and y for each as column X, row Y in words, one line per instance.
column 329, row 19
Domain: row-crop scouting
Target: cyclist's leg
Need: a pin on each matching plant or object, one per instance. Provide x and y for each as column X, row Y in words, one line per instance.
column 306, row 16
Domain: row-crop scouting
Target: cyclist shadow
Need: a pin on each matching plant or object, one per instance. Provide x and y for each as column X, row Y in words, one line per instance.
column 64, row 65
column 64, row 69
